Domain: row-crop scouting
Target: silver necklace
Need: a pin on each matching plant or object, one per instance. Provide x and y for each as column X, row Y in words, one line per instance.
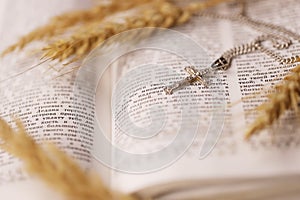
column 280, row 37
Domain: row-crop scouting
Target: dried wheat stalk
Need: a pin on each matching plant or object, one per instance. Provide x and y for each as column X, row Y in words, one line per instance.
column 53, row 166
column 61, row 23
column 286, row 97
column 158, row 14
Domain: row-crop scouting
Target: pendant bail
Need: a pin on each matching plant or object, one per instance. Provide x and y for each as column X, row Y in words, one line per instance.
column 220, row 63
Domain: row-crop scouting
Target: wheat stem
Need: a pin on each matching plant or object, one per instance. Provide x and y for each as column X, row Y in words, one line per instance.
column 81, row 43
column 53, row 166
column 286, row 97
column 61, row 23
column 158, row 14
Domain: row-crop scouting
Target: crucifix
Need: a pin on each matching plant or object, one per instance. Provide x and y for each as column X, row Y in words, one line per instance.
column 196, row 76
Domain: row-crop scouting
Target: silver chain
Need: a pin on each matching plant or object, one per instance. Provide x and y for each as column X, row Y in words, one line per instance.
column 280, row 37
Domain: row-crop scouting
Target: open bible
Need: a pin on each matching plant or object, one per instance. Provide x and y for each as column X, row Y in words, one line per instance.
column 113, row 116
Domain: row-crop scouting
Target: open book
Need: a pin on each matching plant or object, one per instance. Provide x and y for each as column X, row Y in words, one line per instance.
column 116, row 118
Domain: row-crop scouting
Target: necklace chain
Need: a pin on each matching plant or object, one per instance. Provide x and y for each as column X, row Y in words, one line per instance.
column 280, row 37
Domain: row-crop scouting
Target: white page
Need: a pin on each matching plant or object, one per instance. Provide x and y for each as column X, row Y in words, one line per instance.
column 44, row 103
column 232, row 157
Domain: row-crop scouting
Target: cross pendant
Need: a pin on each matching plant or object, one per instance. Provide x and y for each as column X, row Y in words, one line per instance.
column 194, row 76
column 197, row 75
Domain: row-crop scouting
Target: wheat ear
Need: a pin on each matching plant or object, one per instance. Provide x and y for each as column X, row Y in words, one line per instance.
column 162, row 14
column 61, row 23
column 158, row 14
column 53, row 166
column 64, row 49
column 286, row 97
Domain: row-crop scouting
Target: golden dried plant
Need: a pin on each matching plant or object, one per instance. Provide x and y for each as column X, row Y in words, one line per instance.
column 53, row 166
column 286, row 97
column 157, row 14
column 79, row 44
column 59, row 24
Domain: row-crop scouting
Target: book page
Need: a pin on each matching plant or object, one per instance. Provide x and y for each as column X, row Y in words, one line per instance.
column 47, row 104
column 146, row 71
